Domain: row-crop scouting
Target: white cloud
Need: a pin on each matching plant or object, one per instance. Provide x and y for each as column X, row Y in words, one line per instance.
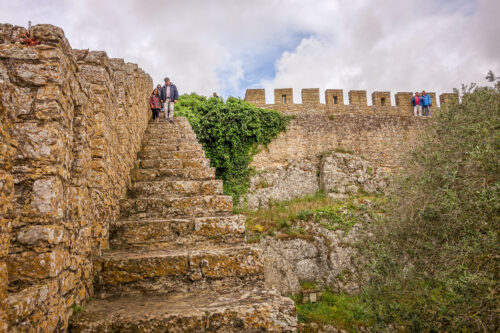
column 207, row 46
column 396, row 45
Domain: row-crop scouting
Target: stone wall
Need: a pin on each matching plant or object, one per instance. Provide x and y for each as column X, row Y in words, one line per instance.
column 380, row 139
column 71, row 124
column 379, row 133
column 334, row 101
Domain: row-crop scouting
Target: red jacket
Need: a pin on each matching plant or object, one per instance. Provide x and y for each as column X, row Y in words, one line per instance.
column 154, row 101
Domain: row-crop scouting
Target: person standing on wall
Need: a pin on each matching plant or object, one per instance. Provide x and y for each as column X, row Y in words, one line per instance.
column 155, row 105
column 426, row 104
column 417, row 105
column 169, row 97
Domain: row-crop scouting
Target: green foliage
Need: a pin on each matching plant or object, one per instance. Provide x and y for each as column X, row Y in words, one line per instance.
column 305, row 214
column 230, row 133
column 77, row 308
column 282, row 218
column 308, row 285
column 435, row 260
column 341, row 310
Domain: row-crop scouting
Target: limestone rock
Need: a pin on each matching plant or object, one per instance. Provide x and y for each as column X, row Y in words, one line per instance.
column 327, row 260
column 298, row 178
column 346, row 173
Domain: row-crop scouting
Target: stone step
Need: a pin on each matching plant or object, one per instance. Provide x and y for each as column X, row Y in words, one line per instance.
column 173, row 174
column 176, row 206
column 173, row 233
column 166, row 154
column 163, row 271
column 170, row 146
column 168, row 129
column 175, row 187
column 174, row 163
column 152, row 138
column 233, row 310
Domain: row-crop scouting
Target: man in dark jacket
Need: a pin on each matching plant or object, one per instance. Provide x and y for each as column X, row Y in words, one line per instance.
column 169, row 97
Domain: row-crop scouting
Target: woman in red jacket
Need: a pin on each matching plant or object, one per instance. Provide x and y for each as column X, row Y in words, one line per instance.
column 155, row 105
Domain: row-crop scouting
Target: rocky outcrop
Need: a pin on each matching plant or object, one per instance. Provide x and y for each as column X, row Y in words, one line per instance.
column 337, row 174
column 178, row 261
column 296, row 179
column 328, row 260
column 71, row 124
column 342, row 173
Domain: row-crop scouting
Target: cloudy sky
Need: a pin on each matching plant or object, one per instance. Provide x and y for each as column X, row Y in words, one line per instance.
column 231, row 45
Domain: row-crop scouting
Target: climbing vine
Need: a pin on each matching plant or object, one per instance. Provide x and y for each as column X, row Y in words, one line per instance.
column 230, row 133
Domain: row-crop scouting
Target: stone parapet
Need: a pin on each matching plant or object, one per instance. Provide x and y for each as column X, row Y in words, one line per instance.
column 448, row 98
column 71, row 122
column 283, row 96
column 357, row 97
column 334, row 97
column 310, row 96
column 381, row 98
column 334, row 101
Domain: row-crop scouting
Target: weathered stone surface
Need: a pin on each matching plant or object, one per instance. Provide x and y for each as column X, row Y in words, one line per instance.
column 337, row 174
column 195, row 163
column 58, row 189
column 379, row 138
column 173, row 270
column 174, row 233
column 237, row 310
column 347, row 173
column 177, row 234
column 176, row 187
column 172, row 154
column 175, row 206
column 328, row 260
column 173, row 174
column 286, row 182
column 71, row 125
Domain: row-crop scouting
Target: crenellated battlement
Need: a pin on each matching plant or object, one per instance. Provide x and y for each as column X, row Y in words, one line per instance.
column 334, row 101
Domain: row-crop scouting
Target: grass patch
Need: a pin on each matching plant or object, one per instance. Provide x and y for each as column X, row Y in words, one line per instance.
column 77, row 309
column 348, row 312
column 282, row 219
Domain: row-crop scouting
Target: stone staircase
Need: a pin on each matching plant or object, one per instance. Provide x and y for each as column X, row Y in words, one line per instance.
column 178, row 261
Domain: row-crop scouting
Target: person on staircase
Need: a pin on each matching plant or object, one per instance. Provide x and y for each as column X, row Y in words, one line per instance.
column 159, row 90
column 155, row 105
column 169, row 96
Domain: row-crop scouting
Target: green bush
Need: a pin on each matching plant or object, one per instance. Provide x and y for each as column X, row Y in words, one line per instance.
column 230, row 133
column 305, row 214
column 435, row 260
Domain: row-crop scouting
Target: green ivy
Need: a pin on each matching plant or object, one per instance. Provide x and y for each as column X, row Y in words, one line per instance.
column 230, row 133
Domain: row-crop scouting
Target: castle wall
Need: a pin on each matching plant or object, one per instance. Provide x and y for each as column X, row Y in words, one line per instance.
column 72, row 122
column 381, row 139
column 380, row 133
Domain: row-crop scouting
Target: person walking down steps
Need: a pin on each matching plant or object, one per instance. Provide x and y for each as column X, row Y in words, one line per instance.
column 155, row 105
column 169, row 97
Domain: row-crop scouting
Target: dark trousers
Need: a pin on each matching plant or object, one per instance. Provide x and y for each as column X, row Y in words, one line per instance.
column 156, row 113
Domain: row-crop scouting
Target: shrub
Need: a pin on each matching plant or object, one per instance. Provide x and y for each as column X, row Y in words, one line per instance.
column 435, row 261
column 230, row 133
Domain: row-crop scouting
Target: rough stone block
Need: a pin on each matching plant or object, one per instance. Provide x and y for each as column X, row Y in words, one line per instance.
column 255, row 96
column 403, row 103
column 448, row 98
column 334, row 97
column 283, row 96
column 310, row 96
column 381, row 98
column 357, row 97
column 29, row 266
